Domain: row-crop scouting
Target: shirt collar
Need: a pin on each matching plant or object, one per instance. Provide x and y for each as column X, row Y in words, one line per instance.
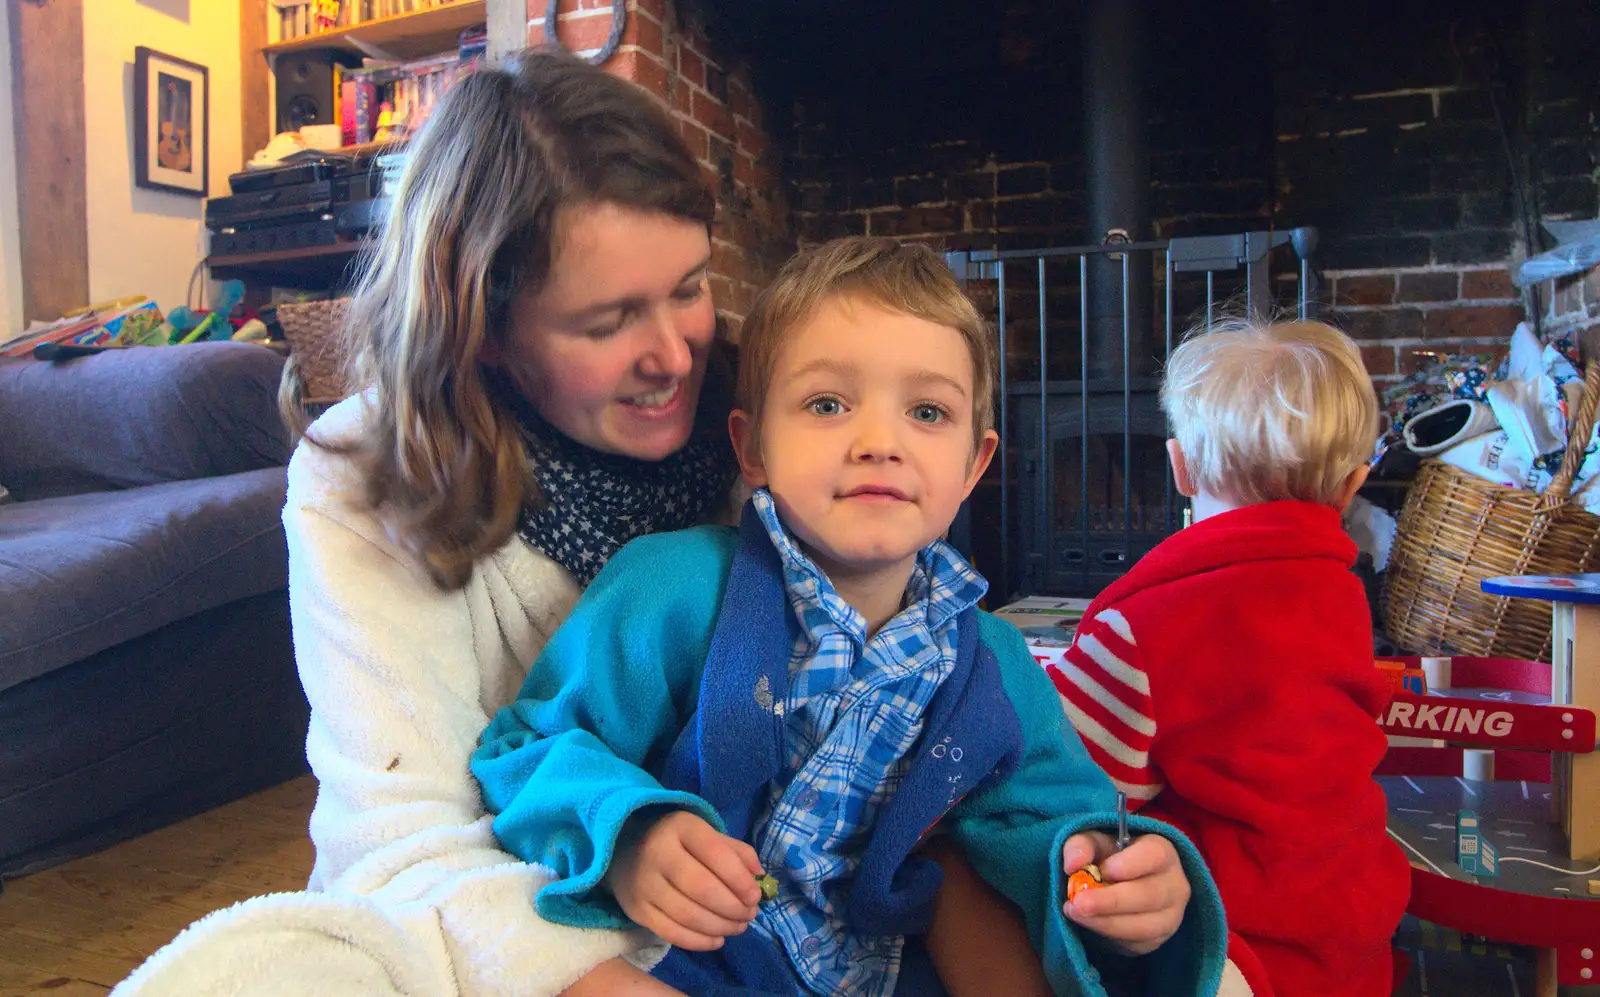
column 941, row 579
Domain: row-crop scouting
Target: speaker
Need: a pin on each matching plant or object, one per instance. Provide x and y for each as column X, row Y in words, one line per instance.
column 305, row 88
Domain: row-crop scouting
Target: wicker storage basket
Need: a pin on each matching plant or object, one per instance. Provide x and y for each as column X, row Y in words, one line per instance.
column 315, row 331
column 1457, row 529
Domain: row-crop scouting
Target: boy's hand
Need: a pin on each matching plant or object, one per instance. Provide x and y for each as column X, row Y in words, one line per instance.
column 686, row 881
column 1146, row 891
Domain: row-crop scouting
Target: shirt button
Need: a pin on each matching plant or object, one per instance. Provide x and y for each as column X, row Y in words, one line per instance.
column 810, row 798
column 810, row 946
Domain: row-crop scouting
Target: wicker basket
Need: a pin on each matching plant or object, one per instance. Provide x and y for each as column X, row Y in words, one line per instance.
column 315, row 331
column 1457, row 529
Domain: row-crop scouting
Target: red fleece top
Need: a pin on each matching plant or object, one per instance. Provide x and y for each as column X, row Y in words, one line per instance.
column 1226, row 683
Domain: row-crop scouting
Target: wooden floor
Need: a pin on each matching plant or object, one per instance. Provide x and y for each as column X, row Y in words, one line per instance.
column 79, row 929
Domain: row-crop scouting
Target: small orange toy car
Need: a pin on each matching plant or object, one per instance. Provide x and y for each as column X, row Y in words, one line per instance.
column 1087, row 878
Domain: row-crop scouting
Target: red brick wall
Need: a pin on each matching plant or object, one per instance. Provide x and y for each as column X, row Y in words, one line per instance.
column 1398, row 314
column 980, row 145
column 1381, row 133
column 1402, row 164
column 1395, row 314
column 710, row 93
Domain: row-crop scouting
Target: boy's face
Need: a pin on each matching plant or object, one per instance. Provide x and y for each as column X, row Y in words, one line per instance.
column 866, row 438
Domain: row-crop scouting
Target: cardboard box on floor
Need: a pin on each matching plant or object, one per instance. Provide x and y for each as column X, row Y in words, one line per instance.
column 1047, row 624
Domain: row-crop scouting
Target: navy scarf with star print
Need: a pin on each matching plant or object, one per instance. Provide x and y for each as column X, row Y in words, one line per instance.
column 594, row 502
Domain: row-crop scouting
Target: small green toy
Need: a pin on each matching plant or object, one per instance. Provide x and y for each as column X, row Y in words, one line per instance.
column 769, row 887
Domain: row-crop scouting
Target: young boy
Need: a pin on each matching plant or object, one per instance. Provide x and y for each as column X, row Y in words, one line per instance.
column 1226, row 682
column 807, row 697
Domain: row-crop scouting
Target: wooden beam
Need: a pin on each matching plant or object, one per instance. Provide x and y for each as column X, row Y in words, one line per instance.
column 1577, row 631
column 52, row 199
column 255, row 116
column 508, row 27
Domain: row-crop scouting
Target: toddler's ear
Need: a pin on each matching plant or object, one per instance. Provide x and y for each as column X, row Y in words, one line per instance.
column 747, row 447
column 1352, row 484
column 1180, row 470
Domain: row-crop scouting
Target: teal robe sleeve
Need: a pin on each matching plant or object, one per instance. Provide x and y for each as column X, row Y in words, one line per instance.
column 1013, row 831
column 566, row 765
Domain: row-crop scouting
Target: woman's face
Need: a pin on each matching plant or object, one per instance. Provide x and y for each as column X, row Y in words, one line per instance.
column 612, row 350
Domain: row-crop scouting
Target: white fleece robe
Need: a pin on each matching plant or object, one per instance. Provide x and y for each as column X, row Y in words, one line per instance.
column 402, row 677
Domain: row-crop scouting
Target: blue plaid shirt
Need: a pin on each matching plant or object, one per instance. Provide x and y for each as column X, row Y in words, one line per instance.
column 853, row 713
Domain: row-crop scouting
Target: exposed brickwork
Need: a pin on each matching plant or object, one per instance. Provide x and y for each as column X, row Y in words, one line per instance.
column 1402, row 165
column 996, row 161
column 972, row 138
column 1571, row 305
column 710, row 94
column 1434, row 310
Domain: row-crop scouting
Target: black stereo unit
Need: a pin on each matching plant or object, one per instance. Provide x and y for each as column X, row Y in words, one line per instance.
column 358, row 217
column 262, row 206
column 299, row 235
column 315, row 199
column 249, row 181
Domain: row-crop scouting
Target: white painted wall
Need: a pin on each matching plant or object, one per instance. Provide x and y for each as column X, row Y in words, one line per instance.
column 144, row 241
column 10, row 247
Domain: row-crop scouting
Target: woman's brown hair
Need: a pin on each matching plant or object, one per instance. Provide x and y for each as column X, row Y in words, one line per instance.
column 471, row 224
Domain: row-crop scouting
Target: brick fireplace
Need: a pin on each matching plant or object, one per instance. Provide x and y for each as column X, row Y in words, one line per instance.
column 1396, row 129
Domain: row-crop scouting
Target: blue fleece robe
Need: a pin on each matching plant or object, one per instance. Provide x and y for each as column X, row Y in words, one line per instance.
column 659, row 691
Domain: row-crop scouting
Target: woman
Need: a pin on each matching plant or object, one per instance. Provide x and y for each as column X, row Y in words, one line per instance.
column 535, row 331
column 536, row 336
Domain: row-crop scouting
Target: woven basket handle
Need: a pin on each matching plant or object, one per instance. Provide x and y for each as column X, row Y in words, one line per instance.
column 1579, row 429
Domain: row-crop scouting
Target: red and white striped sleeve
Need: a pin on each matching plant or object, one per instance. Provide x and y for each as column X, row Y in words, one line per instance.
column 1106, row 695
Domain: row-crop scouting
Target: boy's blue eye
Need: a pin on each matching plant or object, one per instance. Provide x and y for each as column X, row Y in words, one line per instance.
column 825, row 406
column 929, row 414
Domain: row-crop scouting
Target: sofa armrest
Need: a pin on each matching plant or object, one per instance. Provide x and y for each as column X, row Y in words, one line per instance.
column 139, row 416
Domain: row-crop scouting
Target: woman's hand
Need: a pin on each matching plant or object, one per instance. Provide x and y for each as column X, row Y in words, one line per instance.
column 686, row 881
column 1146, row 891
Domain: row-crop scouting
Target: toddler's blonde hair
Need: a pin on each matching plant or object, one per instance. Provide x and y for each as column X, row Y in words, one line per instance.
column 1270, row 410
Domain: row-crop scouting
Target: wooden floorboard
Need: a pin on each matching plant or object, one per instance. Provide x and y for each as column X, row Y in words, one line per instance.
column 80, row 928
column 17, row 980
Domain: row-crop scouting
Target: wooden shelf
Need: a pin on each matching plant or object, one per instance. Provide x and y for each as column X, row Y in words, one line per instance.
column 311, row 268
column 402, row 36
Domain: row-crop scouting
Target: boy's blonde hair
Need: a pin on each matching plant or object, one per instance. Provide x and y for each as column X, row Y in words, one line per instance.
column 907, row 278
column 1266, row 411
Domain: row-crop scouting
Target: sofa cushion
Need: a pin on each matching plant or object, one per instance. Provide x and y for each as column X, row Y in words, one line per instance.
column 82, row 573
column 139, row 416
column 143, row 734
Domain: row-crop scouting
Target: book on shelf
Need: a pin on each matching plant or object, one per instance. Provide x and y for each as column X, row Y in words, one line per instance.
column 410, row 89
column 357, row 98
column 300, row 18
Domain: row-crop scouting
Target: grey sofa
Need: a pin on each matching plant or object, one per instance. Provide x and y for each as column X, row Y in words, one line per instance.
column 146, row 669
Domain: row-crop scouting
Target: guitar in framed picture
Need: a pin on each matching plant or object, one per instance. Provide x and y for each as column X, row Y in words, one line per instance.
column 171, row 115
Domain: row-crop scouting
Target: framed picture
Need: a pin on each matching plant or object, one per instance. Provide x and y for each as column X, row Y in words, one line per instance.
column 171, row 123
